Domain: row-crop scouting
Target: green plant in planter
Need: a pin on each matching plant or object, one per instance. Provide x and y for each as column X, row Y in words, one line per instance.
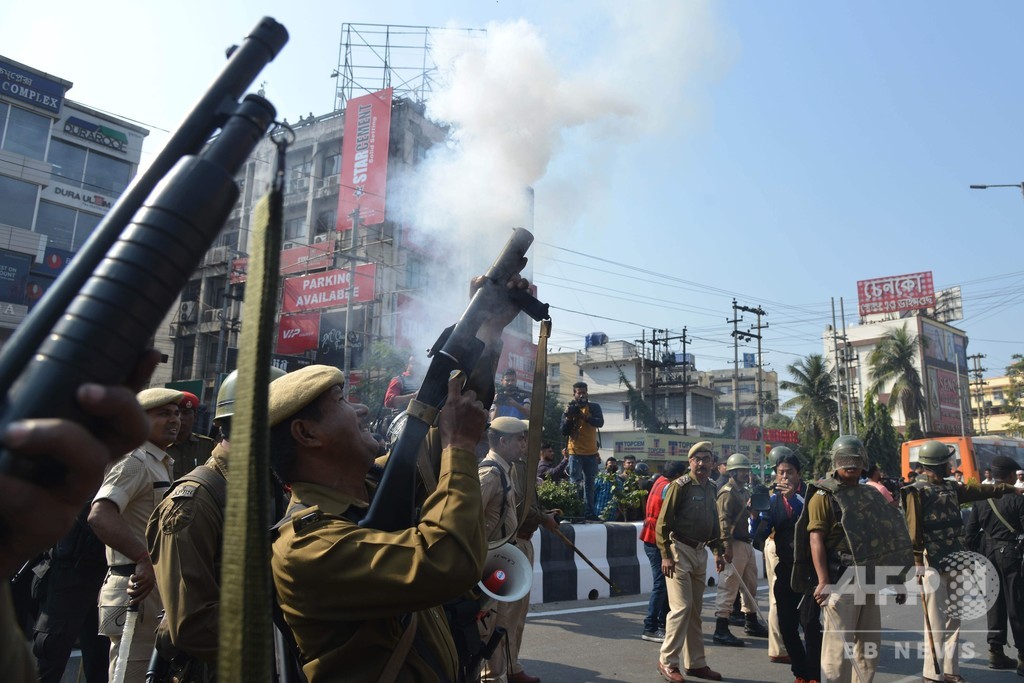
column 562, row 495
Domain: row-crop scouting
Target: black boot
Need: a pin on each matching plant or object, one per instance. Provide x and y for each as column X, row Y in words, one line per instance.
column 997, row 659
column 1020, row 663
column 722, row 636
column 754, row 628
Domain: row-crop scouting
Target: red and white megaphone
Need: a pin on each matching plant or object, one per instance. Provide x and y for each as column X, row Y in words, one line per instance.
column 508, row 575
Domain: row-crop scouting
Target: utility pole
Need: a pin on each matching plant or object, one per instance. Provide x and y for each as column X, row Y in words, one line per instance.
column 759, row 312
column 356, row 222
column 959, row 393
column 846, row 366
column 979, row 390
column 686, row 382
column 835, row 362
column 735, row 371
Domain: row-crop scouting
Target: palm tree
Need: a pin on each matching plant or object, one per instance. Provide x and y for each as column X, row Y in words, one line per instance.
column 892, row 361
column 815, row 398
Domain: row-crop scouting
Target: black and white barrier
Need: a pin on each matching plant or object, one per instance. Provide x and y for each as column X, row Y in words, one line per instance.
column 615, row 548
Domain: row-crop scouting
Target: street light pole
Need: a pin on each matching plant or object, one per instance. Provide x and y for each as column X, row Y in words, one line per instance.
column 1019, row 186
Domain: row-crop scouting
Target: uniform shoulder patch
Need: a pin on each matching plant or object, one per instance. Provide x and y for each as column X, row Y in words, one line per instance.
column 187, row 490
column 819, row 492
column 310, row 519
column 684, row 480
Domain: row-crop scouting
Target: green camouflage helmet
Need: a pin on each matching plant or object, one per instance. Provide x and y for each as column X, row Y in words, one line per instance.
column 226, row 394
column 737, row 461
column 849, row 451
column 934, row 453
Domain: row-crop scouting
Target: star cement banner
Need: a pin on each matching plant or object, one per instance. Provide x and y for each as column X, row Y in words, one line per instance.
column 328, row 289
column 364, row 159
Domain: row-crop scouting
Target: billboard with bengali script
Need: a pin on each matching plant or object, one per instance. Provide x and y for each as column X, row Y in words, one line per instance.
column 328, row 289
column 364, row 159
column 895, row 294
column 298, row 333
column 944, row 393
column 520, row 355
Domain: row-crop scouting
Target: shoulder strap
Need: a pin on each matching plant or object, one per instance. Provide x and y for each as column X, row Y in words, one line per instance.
column 504, row 487
column 214, row 482
column 1000, row 516
column 390, row 672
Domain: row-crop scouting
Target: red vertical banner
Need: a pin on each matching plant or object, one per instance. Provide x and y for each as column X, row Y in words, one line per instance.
column 364, row 159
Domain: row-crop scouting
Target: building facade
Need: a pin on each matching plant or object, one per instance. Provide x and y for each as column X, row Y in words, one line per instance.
column 62, row 166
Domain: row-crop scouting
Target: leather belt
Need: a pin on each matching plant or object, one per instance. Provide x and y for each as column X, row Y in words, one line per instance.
column 122, row 569
column 699, row 545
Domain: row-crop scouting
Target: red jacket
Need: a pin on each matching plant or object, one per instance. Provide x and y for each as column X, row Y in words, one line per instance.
column 654, row 500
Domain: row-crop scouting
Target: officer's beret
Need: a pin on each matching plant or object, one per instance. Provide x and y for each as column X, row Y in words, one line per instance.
column 157, row 397
column 1004, row 465
column 509, row 425
column 189, row 401
column 296, row 390
column 696, row 448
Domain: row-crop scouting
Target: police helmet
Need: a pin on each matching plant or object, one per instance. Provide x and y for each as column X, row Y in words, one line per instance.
column 849, row 451
column 779, row 454
column 226, row 394
column 934, row 453
column 737, row 461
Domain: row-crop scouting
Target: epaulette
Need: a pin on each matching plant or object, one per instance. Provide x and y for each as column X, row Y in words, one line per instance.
column 310, row 519
column 201, row 437
column 684, row 480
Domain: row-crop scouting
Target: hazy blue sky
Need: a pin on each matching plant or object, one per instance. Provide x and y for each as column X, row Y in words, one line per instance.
column 682, row 153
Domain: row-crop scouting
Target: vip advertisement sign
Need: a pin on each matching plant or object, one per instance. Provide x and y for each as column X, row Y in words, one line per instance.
column 329, row 289
column 896, row 293
column 364, row 159
column 298, row 333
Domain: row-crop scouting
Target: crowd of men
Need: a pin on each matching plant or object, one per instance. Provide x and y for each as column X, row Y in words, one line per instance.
column 419, row 614
column 831, row 546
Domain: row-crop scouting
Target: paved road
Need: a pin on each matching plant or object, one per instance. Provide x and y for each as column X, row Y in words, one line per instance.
column 581, row 642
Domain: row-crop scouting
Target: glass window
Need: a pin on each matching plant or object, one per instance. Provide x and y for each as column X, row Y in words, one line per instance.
column 332, row 165
column 87, row 222
column 57, row 223
column 18, row 202
column 27, row 133
column 295, row 229
column 68, row 161
column 106, row 174
column 326, row 222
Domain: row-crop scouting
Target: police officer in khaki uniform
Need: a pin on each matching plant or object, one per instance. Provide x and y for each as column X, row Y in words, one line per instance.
column 847, row 527
column 190, row 450
column 185, row 535
column 120, row 510
column 733, row 504
column 932, row 508
column 688, row 522
column 350, row 594
column 506, row 438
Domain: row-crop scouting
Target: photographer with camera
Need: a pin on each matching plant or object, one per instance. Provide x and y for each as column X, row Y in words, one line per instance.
column 580, row 423
column 509, row 399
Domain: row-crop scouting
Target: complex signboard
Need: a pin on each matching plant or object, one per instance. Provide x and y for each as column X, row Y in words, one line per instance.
column 945, row 378
column 895, row 294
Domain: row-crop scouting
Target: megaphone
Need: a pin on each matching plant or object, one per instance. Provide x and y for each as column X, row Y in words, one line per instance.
column 508, row 574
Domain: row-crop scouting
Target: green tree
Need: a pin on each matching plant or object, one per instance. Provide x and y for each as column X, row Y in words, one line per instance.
column 892, row 361
column 641, row 411
column 880, row 438
column 384, row 363
column 1015, row 399
column 778, row 421
column 552, row 420
column 815, row 400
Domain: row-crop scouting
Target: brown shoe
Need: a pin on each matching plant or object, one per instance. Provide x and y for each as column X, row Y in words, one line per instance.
column 523, row 677
column 705, row 672
column 670, row 673
column 780, row 659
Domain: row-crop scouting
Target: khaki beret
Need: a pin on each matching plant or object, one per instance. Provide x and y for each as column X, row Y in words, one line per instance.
column 158, row 397
column 701, row 446
column 296, row 390
column 509, row 425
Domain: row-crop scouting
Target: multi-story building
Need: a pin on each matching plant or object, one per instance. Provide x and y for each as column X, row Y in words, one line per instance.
column 745, row 380
column 940, row 360
column 990, row 406
column 62, row 166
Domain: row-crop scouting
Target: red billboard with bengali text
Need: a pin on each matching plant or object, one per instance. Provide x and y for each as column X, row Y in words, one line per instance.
column 298, row 333
column 328, row 289
column 895, row 294
column 364, row 159
column 943, row 400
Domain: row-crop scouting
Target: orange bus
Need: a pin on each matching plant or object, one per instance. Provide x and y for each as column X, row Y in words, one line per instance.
column 972, row 455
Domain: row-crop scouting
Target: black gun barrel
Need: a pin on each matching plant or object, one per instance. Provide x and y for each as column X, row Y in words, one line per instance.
column 109, row 322
column 393, row 505
column 211, row 111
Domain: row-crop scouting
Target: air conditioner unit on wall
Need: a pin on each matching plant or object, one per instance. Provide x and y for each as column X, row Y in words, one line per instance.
column 187, row 312
column 321, row 238
column 302, row 184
